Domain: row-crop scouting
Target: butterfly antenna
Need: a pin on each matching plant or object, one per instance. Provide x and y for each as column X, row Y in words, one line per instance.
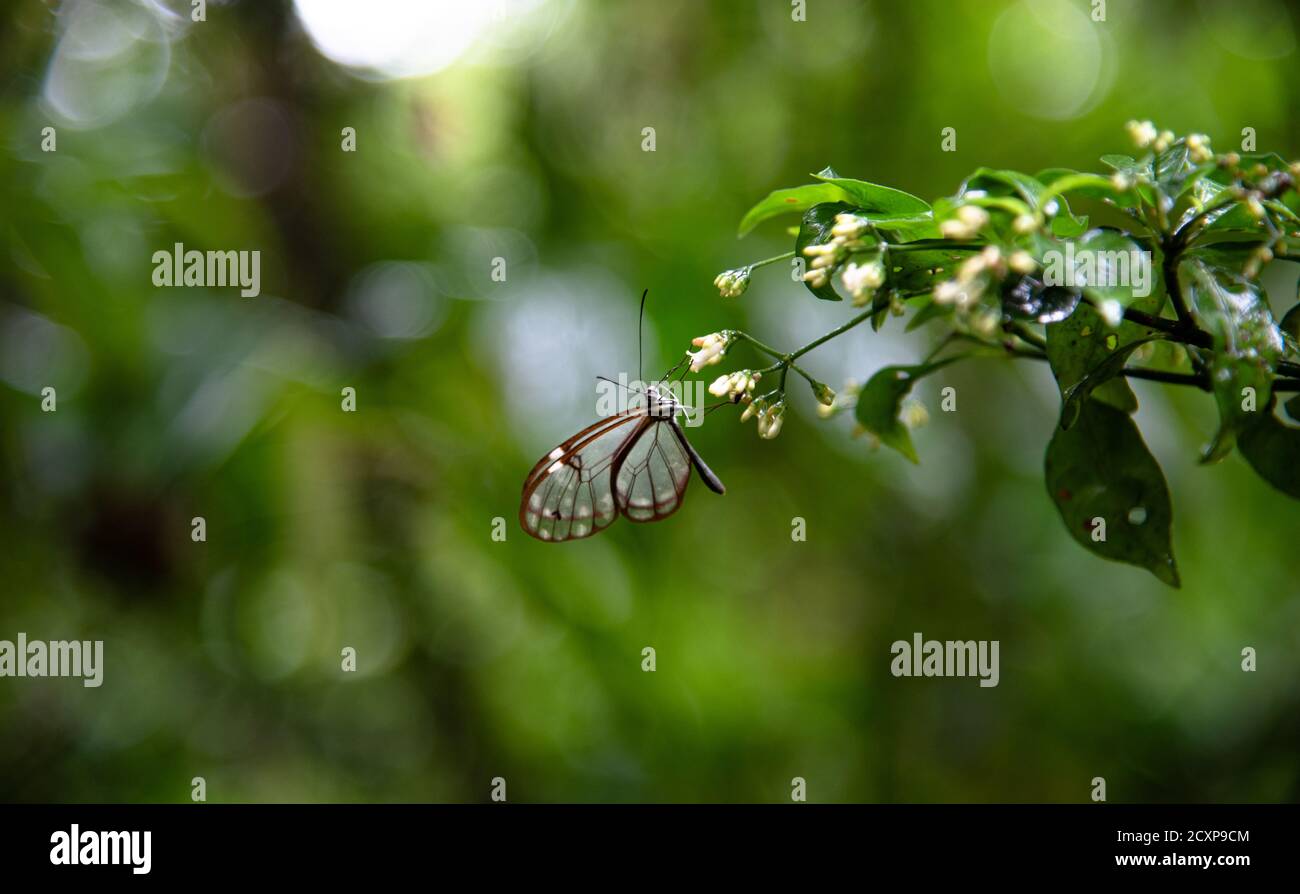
column 619, row 384
column 640, row 345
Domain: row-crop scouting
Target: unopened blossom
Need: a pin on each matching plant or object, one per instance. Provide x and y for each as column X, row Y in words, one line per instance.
column 753, row 410
column 734, row 386
column 1143, row 133
column 969, row 221
column 824, row 394
column 1198, row 148
column 1164, row 141
column 816, row 278
column 770, row 420
column 732, row 283
column 1112, row 312
column 862, row 280
column 1024, row 223
column 845, row 399
column 913, row 413
column 711, row 348
column 1022, row 262
column 849, row 227
column 950, row 292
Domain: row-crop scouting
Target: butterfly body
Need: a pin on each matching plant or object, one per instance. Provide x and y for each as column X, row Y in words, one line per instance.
column 636, row 464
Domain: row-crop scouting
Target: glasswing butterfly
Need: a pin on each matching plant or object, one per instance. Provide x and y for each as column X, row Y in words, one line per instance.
column 636, row 463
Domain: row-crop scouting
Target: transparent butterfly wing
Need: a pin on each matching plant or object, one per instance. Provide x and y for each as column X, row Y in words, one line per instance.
column 569, row 493
column 650, row 480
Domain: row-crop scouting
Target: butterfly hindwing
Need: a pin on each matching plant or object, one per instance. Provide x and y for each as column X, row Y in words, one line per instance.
column 569, row 493
column 650, row 478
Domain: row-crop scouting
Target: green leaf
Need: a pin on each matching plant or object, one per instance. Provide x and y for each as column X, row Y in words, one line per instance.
column 789, row 201
column 874, row 199
column 1050, row 175
column 1125, row 164
column 932, row 310
column 916, row 271
column 906, row 228
column 1080, row 343
column 1109, row 266
column 1093, row 186
column 1103, row 372
column 1101, row 469
column 1273, row 451
column 1171, row 167
column 881, row 397
column 1247, row 346
column 1290, row 327
column 815, row 229
column 1032, row 192
column 995, row 182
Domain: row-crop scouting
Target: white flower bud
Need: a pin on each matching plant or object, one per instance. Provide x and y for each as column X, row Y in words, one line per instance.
column 1112, row 312
column 711, row 348
column 913, row 413
column 1143, row 133
column 1022, row 262
column 1198, row 148
column 947, row 292
column 732, row 283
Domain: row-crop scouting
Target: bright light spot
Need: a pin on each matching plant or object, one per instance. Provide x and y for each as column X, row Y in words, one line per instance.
column 404, row 38
column 1046, row 58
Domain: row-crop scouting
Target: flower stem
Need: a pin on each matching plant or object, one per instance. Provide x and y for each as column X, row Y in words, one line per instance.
column 772, row 260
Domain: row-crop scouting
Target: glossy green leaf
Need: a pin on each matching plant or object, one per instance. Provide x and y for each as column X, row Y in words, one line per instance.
column 1273, row 450
column 1109, row 265
column 790, row 201
column 815, row 229
column 1101, row 469
column 1099, row 375
column 1125, row 164
column 881, row 397
column 874, row 199
column 1082, row 342
column 931, row 310
column 1247, row 343
column 916, row 271
column 996, row 182
column 1171, row 167
column 1032, row 192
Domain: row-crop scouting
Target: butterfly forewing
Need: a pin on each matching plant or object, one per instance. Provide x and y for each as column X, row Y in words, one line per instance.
column 650, row 481
column 569, row 493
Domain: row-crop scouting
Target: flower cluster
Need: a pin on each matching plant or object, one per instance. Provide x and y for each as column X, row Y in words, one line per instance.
column 967, row 223
column 771, row 416
column 847, row 237
column 1145, row 136
column 861, row 280
column 737, row 387
column 845, row 399
column 712, row 348
column 732, row 283
column 980, row 273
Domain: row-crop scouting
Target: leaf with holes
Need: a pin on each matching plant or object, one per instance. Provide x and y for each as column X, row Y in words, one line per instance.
column 1100, row 472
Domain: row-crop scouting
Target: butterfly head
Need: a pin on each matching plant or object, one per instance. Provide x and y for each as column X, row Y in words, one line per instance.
column 661, row 403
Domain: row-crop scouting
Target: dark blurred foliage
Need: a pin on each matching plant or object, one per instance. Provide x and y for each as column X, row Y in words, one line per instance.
column 372, row 529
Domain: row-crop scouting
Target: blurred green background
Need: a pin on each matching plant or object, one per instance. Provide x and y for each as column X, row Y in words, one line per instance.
column 514, row 130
